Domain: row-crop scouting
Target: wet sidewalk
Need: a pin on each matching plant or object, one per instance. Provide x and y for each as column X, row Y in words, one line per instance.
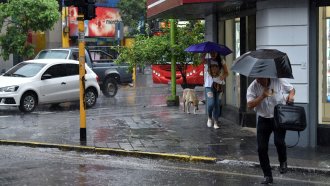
column 137, row 120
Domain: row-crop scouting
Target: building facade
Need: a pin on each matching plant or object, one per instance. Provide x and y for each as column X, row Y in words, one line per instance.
column 300, row 28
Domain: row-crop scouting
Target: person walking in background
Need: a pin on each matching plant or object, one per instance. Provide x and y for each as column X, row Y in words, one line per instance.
column 215, row 74
column 262, row 95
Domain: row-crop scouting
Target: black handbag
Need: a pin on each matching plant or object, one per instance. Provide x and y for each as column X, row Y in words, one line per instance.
column 290, row 117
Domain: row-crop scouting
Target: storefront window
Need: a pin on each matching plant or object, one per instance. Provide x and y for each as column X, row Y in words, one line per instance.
column 237, row 38
column 327, row 98
column 324, row 65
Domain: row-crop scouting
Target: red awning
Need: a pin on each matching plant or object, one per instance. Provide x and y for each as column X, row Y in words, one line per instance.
column 155, row 7
column 196, row 9
column 201, row 1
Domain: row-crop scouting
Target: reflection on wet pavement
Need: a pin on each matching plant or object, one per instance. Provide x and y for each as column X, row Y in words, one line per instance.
column 138, row 119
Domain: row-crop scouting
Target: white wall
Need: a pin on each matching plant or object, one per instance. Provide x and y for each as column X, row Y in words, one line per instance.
column 54, row 36
column 283, row 25
column 5, row 65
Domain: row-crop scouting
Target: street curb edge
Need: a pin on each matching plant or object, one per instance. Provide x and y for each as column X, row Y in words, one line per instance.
column 111, row 151
column 253, row 164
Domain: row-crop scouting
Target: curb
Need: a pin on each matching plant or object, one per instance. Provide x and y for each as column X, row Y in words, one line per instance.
column 111, row 151
column 252, row 164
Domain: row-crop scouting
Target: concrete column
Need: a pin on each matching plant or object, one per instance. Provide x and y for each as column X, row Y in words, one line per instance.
column 284, row 25
column 211, row 28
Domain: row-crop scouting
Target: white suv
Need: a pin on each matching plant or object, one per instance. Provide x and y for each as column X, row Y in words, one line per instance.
column 46, row 81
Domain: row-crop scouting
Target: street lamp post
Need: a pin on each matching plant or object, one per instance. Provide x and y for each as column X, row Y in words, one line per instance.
column 173, row 100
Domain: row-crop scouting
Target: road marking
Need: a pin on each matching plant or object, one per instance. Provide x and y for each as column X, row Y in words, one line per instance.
column 242, row 174
column 5, row 116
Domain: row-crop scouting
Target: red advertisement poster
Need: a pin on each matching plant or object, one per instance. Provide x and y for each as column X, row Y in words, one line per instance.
column 73, row 23
column 104, row 25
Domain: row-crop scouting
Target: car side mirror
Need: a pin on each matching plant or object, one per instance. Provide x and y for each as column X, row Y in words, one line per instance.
column 46, row 76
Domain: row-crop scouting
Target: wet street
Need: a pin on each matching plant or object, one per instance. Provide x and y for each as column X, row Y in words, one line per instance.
column 44, row 166
column 136, row 121
column 137, row 118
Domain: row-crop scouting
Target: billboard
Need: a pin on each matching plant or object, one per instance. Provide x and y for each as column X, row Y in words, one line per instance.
column 103, row 25
column 106, row 3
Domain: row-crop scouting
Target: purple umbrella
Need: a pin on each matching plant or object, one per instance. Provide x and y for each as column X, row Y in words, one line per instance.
column 207, row 47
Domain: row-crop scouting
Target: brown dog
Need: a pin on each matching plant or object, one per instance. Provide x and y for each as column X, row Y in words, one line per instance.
column 189, row 97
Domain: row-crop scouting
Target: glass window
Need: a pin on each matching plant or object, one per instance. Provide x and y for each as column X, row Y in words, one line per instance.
column 53, row 54
column 75, row 55
column 72, row 69
column 324, row 65
column 99, row 56
column 25, row 70
column 327, row 98
column 56, row 71
column 237, row 38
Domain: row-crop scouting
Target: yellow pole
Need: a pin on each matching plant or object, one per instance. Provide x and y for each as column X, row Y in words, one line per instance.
column 65, row 29
column 129, row 43
column 81, row 40
column 134, row 74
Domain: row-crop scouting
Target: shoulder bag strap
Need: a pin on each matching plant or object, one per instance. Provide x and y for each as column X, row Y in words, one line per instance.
column 291, row 146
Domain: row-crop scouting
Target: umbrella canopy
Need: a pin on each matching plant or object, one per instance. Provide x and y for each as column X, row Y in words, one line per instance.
column 207, row 47
column 263, row 63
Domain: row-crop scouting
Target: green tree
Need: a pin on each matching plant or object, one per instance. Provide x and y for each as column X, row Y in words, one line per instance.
column 148, row 50
column 133, row 14
column 18, row 17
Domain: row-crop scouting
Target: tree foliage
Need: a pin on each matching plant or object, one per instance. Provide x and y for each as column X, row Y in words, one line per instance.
column 148, row 50
column 18, row 17
column 133, row 13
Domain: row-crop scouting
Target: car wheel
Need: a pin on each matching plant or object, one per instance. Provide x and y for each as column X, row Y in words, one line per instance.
column 28, row 102
column 90, row 97
column 110, row 87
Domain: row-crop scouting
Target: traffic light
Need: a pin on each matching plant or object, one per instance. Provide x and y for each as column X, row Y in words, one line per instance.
column 69, row 2
column 87, row 7
column 89, row 10
column 76, row 3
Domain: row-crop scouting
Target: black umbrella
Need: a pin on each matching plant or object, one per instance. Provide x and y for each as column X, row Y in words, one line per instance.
column 263, row 63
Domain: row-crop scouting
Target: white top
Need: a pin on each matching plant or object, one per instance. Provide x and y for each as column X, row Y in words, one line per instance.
column 266, row 107
column 208, row 80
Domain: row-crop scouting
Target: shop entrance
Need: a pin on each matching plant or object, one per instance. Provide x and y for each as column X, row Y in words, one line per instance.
column 324, row 65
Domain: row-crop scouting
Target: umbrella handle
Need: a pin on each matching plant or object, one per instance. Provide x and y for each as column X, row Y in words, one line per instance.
column 289, row 102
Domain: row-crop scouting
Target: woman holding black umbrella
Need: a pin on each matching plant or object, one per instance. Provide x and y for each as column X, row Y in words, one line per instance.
column 214, row 79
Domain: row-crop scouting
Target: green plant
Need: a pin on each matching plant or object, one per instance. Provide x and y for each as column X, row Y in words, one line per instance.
column 148, row 50
column 18, row 18
column 133, row 14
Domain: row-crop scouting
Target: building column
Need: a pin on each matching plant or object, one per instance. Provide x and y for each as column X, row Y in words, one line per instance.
column 211, row 28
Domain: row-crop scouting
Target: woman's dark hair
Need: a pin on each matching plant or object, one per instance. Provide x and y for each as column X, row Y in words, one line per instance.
column 219, row 60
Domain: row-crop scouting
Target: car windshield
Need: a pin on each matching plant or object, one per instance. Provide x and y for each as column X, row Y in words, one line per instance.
column 24, row 70
column 53, row 54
